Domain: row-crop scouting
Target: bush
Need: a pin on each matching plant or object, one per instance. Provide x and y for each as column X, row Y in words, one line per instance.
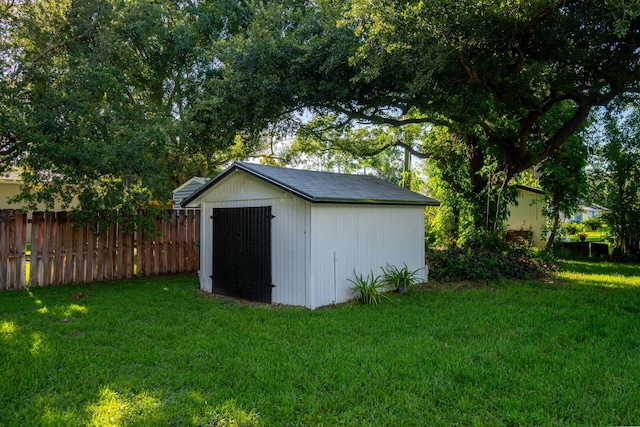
column 571, row 228
column 593, row 224
column 486, row 258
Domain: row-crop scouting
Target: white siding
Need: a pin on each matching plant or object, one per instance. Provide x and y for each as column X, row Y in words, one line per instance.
column 528, row 215
column 288, row 233
column 360, row 238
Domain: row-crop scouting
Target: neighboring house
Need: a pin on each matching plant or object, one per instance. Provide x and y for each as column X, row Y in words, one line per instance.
column 10, row 183
column 585, row 211
column 527, row 216
column 187, row 189
column 297, row 237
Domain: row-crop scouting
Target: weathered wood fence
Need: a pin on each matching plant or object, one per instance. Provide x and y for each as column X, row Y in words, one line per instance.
column 61, row 253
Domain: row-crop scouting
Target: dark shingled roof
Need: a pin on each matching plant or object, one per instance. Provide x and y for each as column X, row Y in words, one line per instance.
column 326, row 187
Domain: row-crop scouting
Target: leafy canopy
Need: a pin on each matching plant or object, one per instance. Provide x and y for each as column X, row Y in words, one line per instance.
column 510, row 81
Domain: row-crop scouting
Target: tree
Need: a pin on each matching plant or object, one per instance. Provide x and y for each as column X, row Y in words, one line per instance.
column 618, row 141
column 563, row 179
column 100, row 100
column 385, row 151
column 495, row 76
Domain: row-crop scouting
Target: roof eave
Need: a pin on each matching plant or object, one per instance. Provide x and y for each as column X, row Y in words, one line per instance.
column 375, row 202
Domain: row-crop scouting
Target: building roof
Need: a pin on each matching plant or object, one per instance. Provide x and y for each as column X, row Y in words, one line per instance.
column 529, row 188
column 187, row 189
column 325, row 187
column 194, row 182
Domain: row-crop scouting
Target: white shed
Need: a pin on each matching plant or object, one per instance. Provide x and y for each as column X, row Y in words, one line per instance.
column 296, row 237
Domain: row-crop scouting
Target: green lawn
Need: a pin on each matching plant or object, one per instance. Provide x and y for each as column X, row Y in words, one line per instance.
column 158, row 352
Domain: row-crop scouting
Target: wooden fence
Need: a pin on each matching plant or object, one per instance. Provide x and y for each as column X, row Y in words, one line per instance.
column 61, row 253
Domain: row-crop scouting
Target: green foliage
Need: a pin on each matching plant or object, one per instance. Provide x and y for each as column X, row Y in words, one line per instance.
column 563, row 179
column 615, row 178
column 325, row 144
column 399, row 279
column 593, row 224
column 572, row 228
column 369, row 290
column 102, row 102
column 484, row 77
column 485, row 256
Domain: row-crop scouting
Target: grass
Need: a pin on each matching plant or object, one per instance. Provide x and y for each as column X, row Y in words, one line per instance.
column 600, row 235
column 592, row 236
column 156, row 351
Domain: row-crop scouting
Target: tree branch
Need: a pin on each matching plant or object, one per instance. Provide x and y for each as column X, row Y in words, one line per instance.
column 382, row 120
column 473, row 75
column 413, row 151
column 86, row 35
column 530, row 30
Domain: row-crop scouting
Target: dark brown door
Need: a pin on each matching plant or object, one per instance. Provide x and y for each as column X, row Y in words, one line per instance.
column 242, row 253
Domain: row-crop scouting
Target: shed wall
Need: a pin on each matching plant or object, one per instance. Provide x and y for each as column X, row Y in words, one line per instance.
column 528, row 215
column 360, row 238
column 288, row 233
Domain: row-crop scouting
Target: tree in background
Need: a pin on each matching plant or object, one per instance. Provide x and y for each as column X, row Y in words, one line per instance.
column 616, row 177
column 384, row 151
column 563, row 180
column 493, row 76
column 101, row 101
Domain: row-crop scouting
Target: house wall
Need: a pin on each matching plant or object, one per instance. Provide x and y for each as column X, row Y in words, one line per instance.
column 8, row 189
column 289, row 246
column 527, row 215
column 360, row 238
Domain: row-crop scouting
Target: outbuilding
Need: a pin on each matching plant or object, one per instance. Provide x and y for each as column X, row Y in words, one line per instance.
column 296, row 237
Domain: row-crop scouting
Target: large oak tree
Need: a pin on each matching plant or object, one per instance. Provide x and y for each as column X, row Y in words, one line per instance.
column 509, row 81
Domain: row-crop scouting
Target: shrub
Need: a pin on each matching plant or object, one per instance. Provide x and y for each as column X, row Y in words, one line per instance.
column 571, row 228
column 593, row 224
column 486, row 258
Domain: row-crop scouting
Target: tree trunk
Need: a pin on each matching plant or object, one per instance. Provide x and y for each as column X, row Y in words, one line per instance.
column 554, row 229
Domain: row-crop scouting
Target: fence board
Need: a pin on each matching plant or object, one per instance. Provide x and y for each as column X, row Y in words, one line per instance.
column 62, row 253
column 12, row 249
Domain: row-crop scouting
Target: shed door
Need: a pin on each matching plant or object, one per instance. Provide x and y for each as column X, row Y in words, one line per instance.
column 242, row 253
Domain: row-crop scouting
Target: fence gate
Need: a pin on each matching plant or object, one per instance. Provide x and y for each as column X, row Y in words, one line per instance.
column 242, row 253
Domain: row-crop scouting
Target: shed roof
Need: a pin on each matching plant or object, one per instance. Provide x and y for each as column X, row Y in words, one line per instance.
column 530, row 188
column 325, row 187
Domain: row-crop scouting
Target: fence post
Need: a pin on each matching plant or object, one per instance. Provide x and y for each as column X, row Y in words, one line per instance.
column 12, row 249
column 20, row 250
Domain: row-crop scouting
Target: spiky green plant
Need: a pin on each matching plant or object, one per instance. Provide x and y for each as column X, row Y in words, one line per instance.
column 369, row 290
column 399, row 279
